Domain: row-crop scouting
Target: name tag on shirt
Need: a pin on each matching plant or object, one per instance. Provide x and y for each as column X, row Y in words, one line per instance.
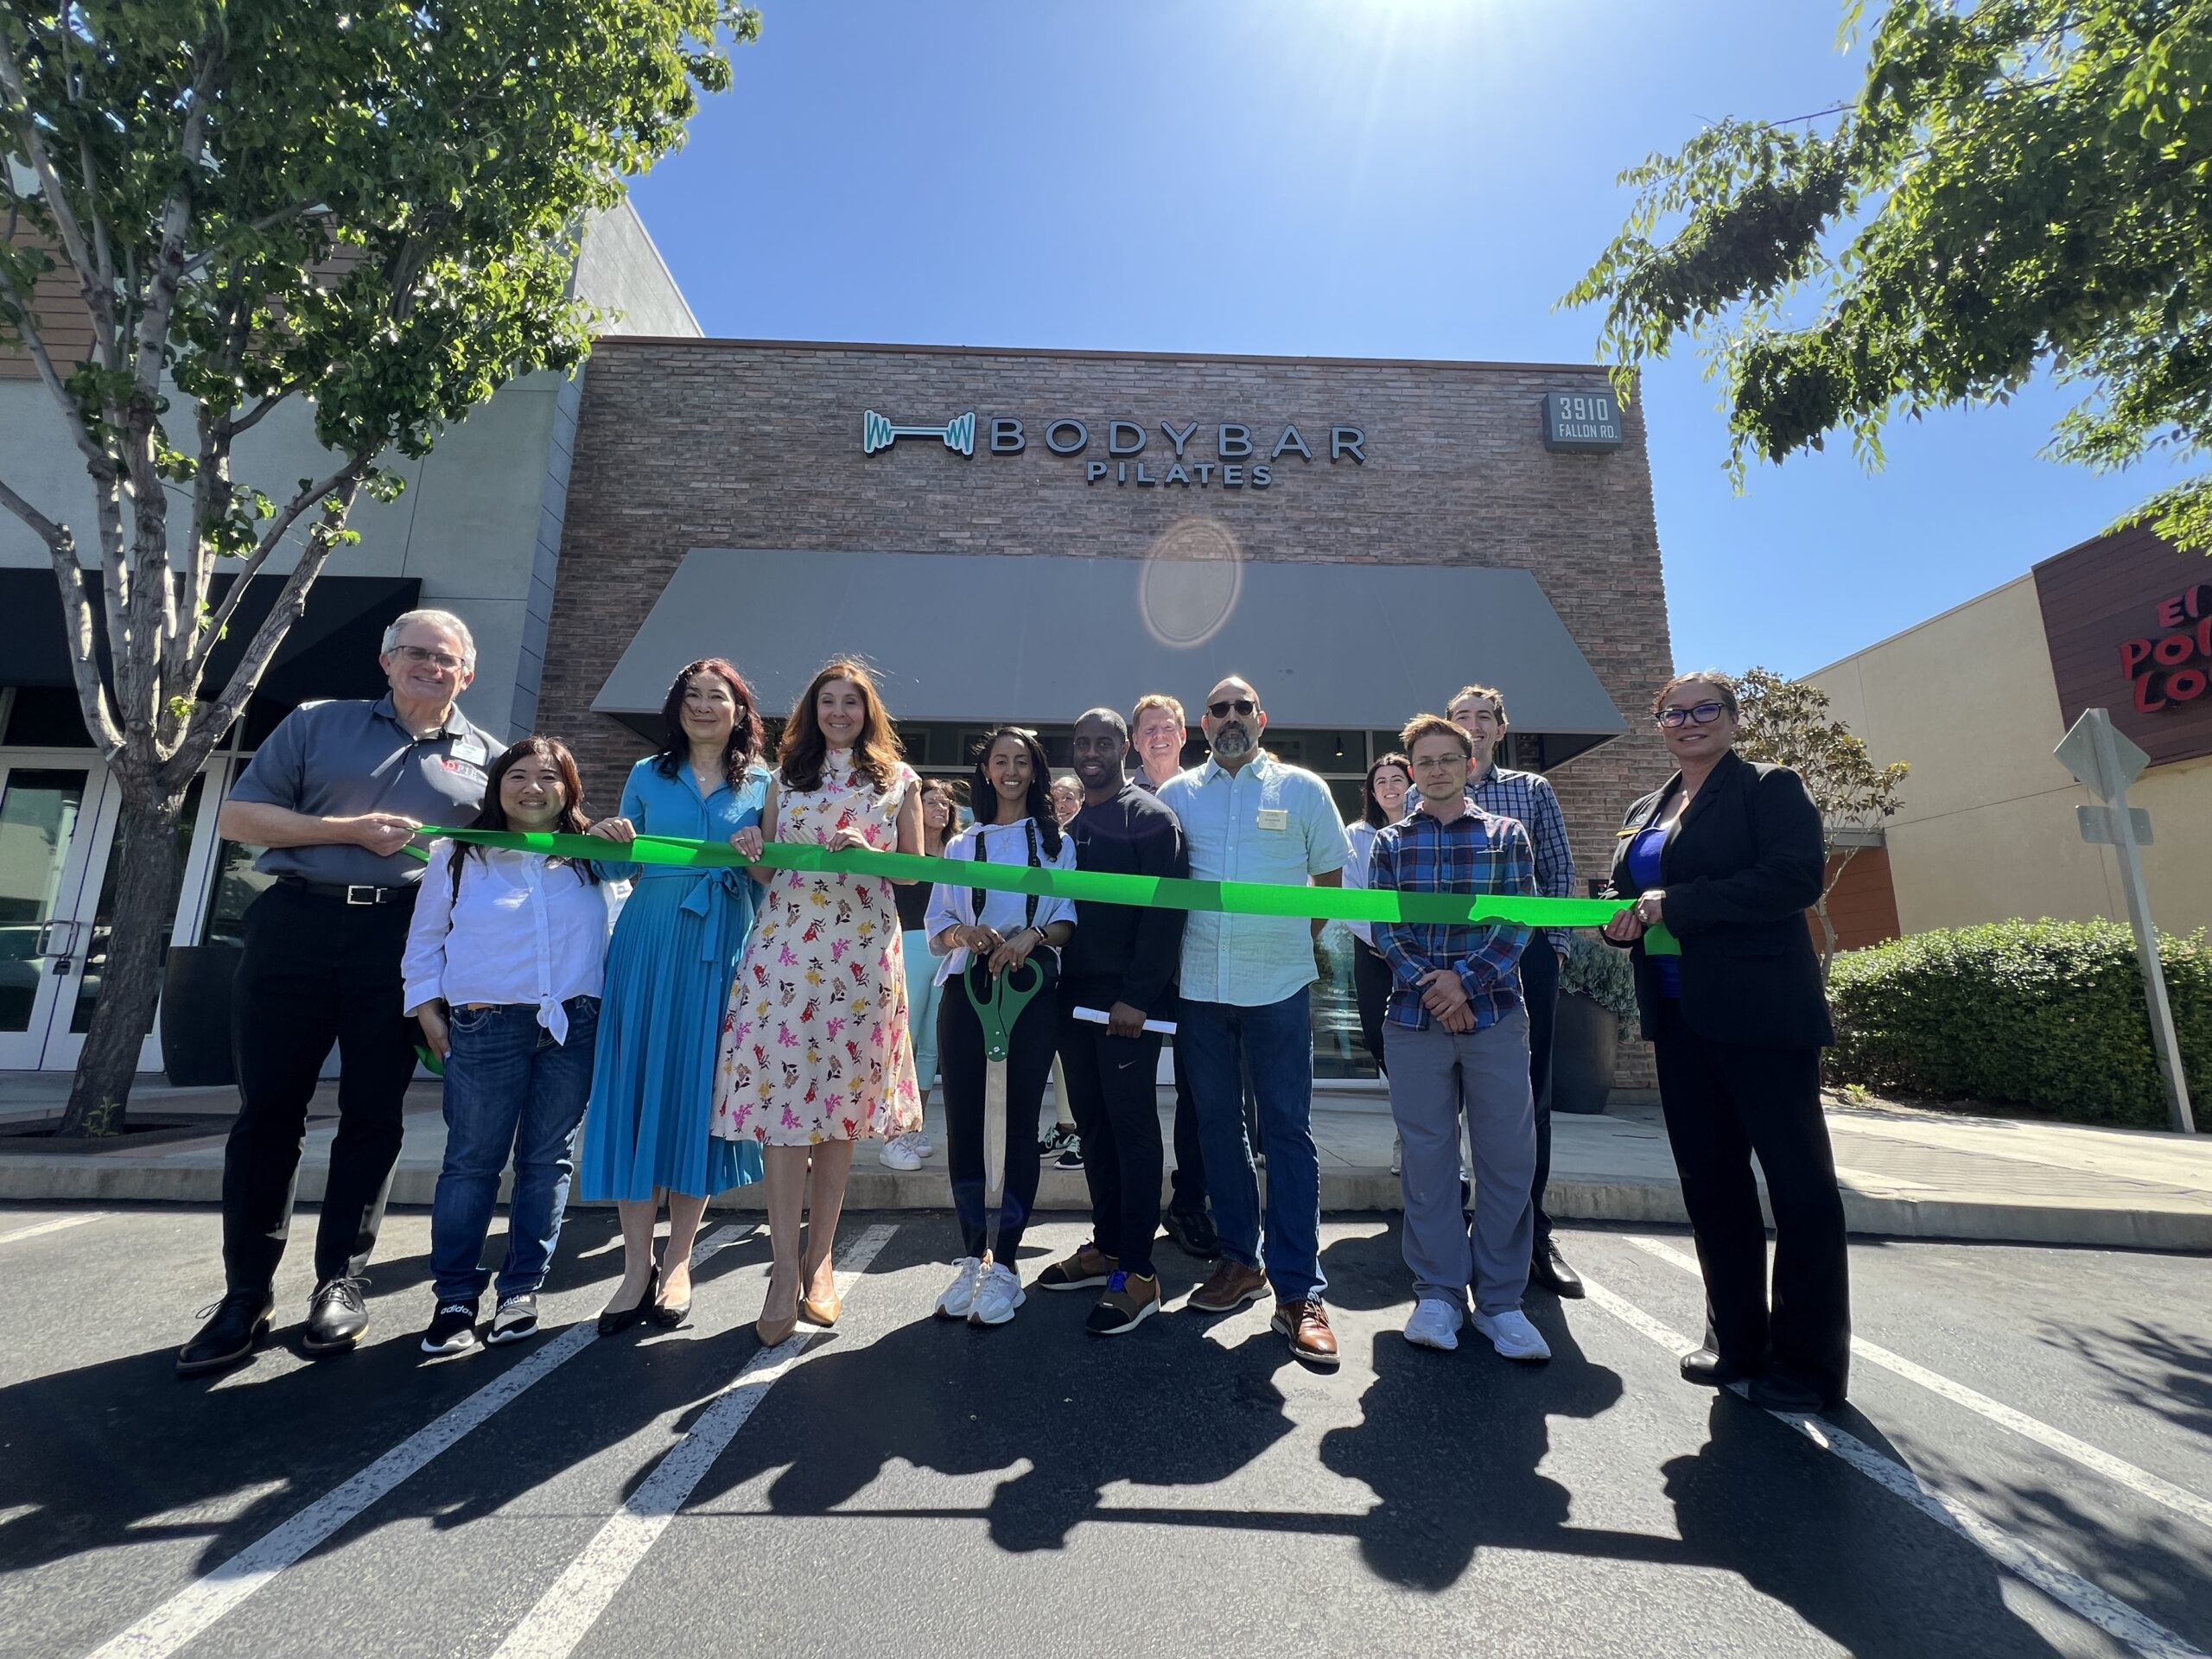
column 1273, row 817
column 469, row 750
column 461, row 768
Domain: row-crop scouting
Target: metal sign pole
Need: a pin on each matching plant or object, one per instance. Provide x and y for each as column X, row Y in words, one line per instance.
column 2093, row 754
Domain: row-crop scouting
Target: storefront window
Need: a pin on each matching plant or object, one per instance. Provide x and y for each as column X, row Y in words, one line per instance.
column 236, row 886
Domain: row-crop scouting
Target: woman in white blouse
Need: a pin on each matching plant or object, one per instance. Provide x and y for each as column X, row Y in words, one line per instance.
column 984, row 936
column 504, row 960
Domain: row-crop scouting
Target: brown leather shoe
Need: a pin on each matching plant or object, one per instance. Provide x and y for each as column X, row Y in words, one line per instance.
column 1231, row 1285
column 1307, row 1324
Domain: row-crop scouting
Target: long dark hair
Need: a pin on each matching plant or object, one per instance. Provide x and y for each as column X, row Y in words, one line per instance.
column 950, row 790
column 875, row 754
column 573, row 821
column 744, row 745
column 1373, row 810
column 1039, row 801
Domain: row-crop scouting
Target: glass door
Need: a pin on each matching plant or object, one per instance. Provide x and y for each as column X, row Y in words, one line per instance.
column 51, row 808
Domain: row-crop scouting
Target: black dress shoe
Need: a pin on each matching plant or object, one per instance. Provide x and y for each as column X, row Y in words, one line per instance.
column 1548, row 1268
column 613, row 1323
column 1193, row 1233
column 669, row 1315
column 240, row 1322
column 1772, row 1392
column 336, row 1317
column 1707, row 1369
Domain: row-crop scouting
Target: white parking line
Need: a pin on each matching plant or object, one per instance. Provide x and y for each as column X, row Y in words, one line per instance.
column 198, row 1605
column 565, row 1613
column 2139, row 1481
column 2115, row 1617
column 52, row 1226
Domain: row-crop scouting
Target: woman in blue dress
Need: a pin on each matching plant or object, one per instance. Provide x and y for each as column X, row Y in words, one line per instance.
column 676, row 947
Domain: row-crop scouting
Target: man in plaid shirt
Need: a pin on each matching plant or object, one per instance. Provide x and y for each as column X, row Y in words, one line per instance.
column 1456, row 1036
column 1479, row 711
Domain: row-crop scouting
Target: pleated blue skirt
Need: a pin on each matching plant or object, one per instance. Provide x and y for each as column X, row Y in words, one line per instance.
column 669, row 968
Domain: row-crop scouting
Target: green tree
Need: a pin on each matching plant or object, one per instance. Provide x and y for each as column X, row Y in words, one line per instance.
column 375, row 210
column 2018, row 185
column 1787, row 723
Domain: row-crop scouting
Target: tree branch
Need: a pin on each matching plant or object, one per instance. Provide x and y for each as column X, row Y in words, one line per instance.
column 200, row 261
column 49, row 377
column 77, row 617
column 212, row 719
column 32, row 141
column 344, row 481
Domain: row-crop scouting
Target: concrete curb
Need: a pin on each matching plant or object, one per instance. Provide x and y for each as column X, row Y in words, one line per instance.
column 99, row 1179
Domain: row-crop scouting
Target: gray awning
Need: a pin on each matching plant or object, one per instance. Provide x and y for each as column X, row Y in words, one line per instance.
column 960, row 637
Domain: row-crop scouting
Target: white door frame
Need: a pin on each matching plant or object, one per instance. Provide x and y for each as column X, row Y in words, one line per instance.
column 48, row 1044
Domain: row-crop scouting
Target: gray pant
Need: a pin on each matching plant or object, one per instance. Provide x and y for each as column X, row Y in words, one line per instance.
column 1433, row 1073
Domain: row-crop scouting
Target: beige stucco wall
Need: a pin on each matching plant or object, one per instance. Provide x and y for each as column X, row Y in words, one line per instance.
column 1988, row 830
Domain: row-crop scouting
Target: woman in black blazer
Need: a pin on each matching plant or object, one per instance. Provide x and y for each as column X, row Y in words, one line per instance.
column 1727, row 856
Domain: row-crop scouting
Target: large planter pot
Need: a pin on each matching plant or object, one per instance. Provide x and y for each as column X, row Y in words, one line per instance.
column 1585, row 1049
column 196, row 1014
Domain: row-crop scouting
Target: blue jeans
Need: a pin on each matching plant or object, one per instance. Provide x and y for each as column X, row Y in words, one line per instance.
column 1218, row 1042
column 511, row 1090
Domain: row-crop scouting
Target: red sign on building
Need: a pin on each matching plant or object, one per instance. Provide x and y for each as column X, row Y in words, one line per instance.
column 2128, row 618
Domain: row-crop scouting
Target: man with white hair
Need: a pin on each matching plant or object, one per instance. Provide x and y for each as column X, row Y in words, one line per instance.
column 334, row 795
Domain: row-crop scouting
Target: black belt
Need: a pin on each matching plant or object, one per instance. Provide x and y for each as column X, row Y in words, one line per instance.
column 358, row 892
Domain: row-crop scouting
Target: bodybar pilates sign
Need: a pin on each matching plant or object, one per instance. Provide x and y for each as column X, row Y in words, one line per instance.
column 1130, row 453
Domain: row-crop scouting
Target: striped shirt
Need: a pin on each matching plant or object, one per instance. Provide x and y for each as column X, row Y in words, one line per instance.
column 1528, row 797
column 1476, row 853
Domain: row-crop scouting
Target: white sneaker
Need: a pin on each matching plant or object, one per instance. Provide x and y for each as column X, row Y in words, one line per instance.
column 1397, row 1156
column 997, row 1294
column 1434, row 1324
column 900, row 1153
column 1512, row 1335
column 921, row 1141
column 957, row 1299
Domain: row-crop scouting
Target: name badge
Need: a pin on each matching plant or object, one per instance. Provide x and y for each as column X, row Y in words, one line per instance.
column 469, row 750
column 1273, row 817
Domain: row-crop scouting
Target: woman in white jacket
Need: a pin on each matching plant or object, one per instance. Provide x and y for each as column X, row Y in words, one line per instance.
column 504, row 961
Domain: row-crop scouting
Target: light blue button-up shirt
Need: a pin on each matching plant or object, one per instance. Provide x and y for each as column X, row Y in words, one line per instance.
column 1265, row 822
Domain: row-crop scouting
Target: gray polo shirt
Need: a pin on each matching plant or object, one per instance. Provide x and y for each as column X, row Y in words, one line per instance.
column 340, row 759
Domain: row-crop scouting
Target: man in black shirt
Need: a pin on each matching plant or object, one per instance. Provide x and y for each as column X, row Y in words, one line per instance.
column 1121, row 963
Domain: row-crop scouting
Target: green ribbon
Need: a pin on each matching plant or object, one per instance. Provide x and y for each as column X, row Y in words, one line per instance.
column 1082, row 887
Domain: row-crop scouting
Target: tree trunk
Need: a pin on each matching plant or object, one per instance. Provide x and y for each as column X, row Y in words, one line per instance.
column 130, row 979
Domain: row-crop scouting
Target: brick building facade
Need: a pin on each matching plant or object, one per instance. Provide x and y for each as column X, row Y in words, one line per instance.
column 689, row 443
column 700, row 444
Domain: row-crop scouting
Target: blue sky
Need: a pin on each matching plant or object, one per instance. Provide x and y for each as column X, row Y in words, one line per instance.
column 1387, row 178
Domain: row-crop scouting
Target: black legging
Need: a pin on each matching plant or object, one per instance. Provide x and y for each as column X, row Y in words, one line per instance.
column 1371, row 989
column 1029, row 1067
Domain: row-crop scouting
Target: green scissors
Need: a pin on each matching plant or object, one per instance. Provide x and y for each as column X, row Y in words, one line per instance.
column 998, row 1013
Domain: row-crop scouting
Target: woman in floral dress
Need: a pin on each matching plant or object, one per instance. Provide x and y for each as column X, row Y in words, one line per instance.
column 815, row 1050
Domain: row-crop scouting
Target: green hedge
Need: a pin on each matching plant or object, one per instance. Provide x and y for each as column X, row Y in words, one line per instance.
column 2048, row 1014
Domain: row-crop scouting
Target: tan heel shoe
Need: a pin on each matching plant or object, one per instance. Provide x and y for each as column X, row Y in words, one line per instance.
column 824, row 1312
column 773, row 1332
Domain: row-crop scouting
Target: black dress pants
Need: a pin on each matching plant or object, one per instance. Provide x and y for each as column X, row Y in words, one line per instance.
column 1724, row 1104
column 1540, row 989
column 1370, row 989
column 314, row 970
column 1113, row 1092
column 961, row 1061
column 1188, row 1191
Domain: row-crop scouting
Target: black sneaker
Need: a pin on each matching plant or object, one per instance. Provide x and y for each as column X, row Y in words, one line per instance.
column 336, row 1317
column 1193, row 1232
column 516, row 1321
column 1058, row 1136
column 1130, row 1300
column 1070, row 1154
column 452, row 1330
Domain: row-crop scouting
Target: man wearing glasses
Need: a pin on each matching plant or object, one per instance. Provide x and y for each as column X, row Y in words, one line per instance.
column 1246, row 817
column 1527, row 797
column 333, row 795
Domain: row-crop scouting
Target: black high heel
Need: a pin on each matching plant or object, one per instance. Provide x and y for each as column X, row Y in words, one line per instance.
column 613, row 1324
column 669, row 1315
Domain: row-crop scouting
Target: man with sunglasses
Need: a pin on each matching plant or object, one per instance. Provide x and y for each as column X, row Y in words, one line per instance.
column 332, row 796
column 1527, row 797
column 1245, row 983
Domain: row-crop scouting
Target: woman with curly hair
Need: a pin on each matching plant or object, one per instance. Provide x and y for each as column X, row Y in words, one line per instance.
column 815, row 1049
